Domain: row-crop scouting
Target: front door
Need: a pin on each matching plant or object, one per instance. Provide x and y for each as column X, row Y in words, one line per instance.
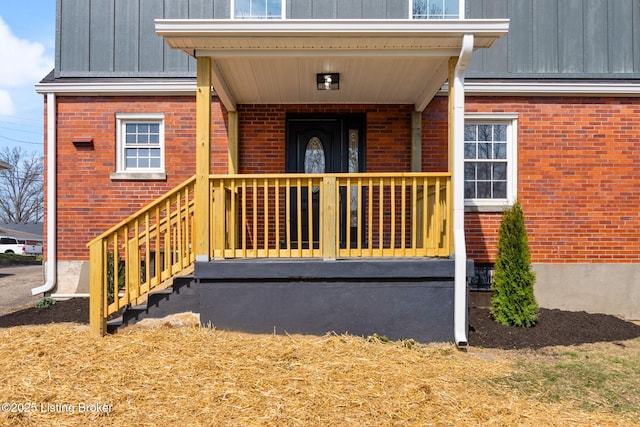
column 323, row 144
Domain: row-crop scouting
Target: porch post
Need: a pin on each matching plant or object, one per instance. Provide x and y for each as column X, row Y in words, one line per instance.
column 203, row 159
column 416, row 141
column 329, row 215
column 233, row 142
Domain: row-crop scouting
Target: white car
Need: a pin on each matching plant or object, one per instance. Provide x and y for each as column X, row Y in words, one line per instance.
column 11, row 245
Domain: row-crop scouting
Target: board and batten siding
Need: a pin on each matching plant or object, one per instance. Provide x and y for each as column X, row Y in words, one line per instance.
column 592, row 39
column 117, row 38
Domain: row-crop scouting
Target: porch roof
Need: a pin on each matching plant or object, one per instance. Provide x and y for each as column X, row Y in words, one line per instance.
column 380, row 62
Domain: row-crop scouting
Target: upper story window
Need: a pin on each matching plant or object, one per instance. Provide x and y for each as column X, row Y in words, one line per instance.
column 139, row 146
column 258, row 9
column 490, row 149
column 437, row 9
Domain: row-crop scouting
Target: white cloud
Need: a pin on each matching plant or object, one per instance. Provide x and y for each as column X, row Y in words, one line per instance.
column 6, row 103
column 23, row 61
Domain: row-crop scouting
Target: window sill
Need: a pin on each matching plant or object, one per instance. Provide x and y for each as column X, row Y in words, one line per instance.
column 499, row 208
column 138, row 176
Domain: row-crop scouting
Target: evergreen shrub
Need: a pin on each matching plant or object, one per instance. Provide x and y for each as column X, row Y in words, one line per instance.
column 513, row 302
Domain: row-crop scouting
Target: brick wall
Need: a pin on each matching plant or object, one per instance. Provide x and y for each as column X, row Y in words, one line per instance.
column 578, row 173
column 89, row 202
column 578, row 179
column 262, row 130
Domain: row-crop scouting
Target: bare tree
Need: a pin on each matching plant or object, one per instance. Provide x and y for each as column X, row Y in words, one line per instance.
column 21, row 187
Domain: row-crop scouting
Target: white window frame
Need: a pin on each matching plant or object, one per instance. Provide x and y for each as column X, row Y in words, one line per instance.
column 122, row 172
column 283, row 11
column 511, row 120
column 461, row 6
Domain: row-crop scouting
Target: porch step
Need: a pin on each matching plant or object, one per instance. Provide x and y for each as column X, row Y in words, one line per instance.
column 170, row 300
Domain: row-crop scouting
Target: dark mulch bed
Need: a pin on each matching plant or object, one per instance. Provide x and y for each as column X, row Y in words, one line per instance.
column 71, row 310
column 554, row 327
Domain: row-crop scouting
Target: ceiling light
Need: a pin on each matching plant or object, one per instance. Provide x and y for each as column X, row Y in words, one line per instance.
column 328, row 81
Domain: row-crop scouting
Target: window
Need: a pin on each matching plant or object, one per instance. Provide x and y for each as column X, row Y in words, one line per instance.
column 490, row 160
column 140, row 146
column 437, row 9
column 258, row 9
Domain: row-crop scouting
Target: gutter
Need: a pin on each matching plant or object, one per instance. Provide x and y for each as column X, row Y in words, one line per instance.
column 52, row 261
column 460, row 308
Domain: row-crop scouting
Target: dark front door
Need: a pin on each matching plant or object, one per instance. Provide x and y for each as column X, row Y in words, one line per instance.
column 322, row 144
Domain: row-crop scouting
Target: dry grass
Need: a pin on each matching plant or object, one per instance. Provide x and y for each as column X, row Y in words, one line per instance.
column 194, row 376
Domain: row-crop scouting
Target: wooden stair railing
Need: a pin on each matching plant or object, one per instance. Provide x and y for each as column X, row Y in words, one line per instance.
column 141, row 254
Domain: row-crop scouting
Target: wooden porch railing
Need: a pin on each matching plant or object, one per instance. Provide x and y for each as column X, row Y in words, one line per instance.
column 141, row 254
column 269, row 216
column 330, row 215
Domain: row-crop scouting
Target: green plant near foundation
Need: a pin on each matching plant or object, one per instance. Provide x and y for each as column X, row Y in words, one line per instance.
column 513, row 302
column 45, row 302
column 111, row 276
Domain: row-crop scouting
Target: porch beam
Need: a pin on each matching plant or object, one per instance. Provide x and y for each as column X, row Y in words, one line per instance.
column 203, row 159
column 416, row 141
column 223, row 90
column 433, row 85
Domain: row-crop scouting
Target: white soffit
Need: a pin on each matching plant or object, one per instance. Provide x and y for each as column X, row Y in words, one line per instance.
column 382, row 61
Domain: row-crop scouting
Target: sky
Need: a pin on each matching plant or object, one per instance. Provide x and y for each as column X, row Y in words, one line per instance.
column 27, row 52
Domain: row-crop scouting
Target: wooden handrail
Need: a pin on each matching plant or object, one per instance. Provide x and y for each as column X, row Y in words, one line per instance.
column 121, row 270
column 269, row 216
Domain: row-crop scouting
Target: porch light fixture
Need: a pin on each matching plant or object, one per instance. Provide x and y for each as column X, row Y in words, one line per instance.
column 328, row 81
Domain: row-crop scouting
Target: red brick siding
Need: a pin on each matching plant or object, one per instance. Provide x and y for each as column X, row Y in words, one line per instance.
column 435, row 136
column 578, row 179
column 578, row 173
column 89, row 202
column 262, row 130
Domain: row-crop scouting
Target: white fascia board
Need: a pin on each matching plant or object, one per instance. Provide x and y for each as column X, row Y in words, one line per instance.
column 319, row 27
column 322, row 52
column 186, row 87
column 542, row 88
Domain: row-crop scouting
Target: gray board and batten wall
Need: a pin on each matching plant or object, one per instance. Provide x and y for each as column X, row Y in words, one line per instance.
column 116, row 38
column 555, row 39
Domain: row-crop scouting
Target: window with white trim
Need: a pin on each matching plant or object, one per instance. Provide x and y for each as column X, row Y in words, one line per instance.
column 140, row 143
column 490, row 151
column 437, row 9
column 258, row 9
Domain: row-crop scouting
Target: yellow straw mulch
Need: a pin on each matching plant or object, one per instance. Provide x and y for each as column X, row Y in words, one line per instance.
column 57, row 375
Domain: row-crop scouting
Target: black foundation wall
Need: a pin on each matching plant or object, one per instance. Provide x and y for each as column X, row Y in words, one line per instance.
column 397, row 298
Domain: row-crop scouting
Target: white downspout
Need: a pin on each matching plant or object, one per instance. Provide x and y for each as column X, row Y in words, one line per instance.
column 51, row 198
column 460, row 285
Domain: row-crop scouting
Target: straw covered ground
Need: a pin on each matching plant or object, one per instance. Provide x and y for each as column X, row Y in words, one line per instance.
column 57, row 375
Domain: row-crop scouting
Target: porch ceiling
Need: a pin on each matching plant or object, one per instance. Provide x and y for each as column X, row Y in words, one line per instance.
column 390, row 62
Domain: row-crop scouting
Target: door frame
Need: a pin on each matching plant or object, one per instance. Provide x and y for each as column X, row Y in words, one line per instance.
column 346, row 122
